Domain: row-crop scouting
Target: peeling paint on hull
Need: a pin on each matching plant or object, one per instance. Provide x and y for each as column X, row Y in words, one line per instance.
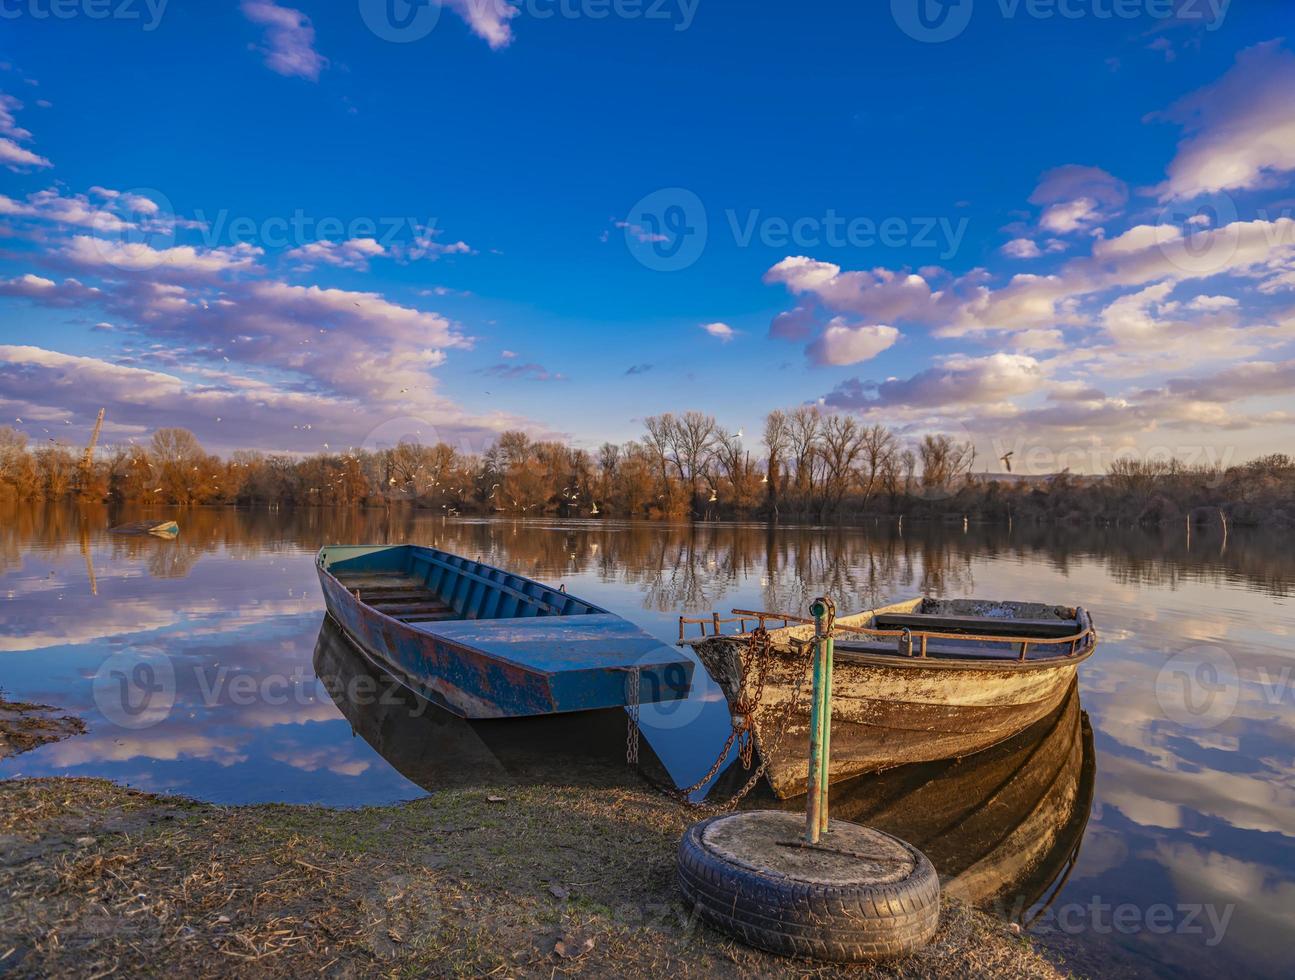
column 500, row 645
column 887, row 710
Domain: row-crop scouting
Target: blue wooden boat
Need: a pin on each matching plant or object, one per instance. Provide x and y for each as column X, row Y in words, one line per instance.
column 487, row 643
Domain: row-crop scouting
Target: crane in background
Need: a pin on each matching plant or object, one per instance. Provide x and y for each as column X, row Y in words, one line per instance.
column 87, row 461
column 87, row 478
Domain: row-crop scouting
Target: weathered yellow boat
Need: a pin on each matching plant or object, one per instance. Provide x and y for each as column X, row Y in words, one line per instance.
column 917, row 681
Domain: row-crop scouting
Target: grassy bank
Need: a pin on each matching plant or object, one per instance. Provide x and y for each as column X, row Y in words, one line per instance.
column 95, row 878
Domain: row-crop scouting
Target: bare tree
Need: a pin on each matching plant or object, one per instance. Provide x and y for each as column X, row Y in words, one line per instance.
column 839, row 444
column 944, row 462
column 660, row 435
column 878, row 449
column 513, row 447
column 692, row 440
column 803, row 426
column 737, row 469
column 18, row 476
column 175, row 446
column 776, row 439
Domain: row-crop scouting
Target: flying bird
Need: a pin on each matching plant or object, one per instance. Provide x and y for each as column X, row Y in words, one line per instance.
column 1007, row 460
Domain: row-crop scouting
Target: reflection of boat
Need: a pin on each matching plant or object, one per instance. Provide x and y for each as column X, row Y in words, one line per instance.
column 486, row 643
column 1000, row 826
column 163, row 529
column 913, row 682
column 435, row 749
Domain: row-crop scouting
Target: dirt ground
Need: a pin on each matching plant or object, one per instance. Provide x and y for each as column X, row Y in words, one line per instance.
column 99, row 880
column 25, row 726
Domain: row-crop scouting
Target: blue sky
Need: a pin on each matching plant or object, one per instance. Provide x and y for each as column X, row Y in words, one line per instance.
column 270, row 215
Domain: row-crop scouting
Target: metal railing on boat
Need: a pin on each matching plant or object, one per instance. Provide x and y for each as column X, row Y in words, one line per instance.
column 905, row 635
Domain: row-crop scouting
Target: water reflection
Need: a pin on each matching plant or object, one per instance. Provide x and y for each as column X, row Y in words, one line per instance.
column 439, row 750
column 1002, row 827
column 1186, row 809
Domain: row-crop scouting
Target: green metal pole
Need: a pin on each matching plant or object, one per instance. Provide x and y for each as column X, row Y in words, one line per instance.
column 813, row 793
column 824, row 778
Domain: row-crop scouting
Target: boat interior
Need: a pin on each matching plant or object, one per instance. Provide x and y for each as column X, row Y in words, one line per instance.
column 416, row 584
column 972, row 629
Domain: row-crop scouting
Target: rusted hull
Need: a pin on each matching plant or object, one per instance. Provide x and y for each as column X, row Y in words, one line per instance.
column 457, row 678
column 484, row 643
column 1000, row 826
column 882, row 718
column 887, row 711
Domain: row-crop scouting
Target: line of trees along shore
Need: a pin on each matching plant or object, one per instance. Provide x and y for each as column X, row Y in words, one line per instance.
column 810, row 466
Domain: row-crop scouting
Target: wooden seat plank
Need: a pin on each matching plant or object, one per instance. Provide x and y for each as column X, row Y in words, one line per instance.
column 984, row 625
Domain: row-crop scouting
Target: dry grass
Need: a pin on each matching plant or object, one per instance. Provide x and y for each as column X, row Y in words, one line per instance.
column 98, row 880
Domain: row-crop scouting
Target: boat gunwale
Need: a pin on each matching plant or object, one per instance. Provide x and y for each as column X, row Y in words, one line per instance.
column 784, row 643
column 319, row 564
column 425, row 630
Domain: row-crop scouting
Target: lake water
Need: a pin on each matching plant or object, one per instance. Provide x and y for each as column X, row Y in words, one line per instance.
column 1177, row 789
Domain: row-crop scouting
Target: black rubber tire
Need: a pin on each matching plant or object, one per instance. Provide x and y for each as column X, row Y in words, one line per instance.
column 839, row 923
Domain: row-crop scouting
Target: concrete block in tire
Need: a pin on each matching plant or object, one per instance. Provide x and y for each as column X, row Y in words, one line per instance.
column 859, row 895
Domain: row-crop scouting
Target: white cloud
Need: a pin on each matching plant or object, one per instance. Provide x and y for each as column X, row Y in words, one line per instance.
column 843, row 344
column 958, row 380
column 75, row 209
column 13, row 156
column 8, row 123
column 1068, row 216
column 796, row 324
column 1021, row 248
column 16, row 157
column 289, row 39
column 721, row 331
column 354, row 253
column 1136, row 239
column 877, row 294
column 1240, row 131
column 89, row 252
column 487, row 19
column 71, row 292
column 253, row 414
column 1076, row 198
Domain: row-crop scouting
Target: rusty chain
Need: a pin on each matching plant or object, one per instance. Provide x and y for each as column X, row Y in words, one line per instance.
column 633, row 683
column 755, row 659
